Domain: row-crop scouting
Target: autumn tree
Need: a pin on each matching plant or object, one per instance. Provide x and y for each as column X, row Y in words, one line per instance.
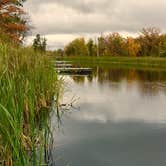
column 115, row 44
column 149, row 41
column 76, row 48
column 12, row 19
column 132, row 47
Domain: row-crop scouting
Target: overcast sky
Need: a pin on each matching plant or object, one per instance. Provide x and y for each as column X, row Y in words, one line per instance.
column 63, row 20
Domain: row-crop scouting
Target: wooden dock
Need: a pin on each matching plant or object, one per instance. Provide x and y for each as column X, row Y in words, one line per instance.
column 78, row 71
column 63, row 62
column 65, row 67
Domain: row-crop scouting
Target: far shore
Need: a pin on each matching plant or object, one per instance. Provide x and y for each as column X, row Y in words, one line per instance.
column 142, row 63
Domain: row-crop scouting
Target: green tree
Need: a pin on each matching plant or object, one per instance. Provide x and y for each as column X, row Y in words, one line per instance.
column 101, row 47
column 59, row 52
column 40, row 43
column 91, row 48
column 162, row 51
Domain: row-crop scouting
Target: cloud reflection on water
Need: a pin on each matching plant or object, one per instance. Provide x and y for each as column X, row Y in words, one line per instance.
column 125, row 103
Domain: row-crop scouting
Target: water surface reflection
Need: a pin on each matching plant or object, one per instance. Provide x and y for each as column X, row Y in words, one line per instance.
column 121, row 120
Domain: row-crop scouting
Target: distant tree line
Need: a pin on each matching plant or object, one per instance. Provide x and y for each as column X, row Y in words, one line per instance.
column 150, row 42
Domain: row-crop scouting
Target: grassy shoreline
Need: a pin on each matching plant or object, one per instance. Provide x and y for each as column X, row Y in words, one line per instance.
column 28, row 83
column 146, row 63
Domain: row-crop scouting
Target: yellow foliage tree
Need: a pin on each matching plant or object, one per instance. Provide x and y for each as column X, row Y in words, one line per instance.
column 132, row 47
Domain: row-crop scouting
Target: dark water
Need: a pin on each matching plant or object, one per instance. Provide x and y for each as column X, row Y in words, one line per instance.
column 119, row 120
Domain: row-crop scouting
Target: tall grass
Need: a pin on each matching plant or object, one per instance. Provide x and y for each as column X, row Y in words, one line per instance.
column 28, row 83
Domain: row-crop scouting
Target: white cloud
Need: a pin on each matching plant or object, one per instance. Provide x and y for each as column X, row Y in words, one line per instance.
column 76, row 17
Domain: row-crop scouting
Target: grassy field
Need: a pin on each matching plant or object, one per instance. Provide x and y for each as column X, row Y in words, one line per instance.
column 28, row 83
column 149, row 63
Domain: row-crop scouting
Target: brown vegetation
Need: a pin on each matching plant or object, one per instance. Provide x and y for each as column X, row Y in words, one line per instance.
column 12, row 19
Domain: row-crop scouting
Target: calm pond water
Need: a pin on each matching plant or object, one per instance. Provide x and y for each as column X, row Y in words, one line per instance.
column 118, row 120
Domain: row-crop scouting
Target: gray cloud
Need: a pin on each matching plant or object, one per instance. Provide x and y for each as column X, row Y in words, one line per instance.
column 85, row 6
column 95, row 16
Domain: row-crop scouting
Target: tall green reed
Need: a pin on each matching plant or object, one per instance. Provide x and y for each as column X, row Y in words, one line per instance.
column 28, row 83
